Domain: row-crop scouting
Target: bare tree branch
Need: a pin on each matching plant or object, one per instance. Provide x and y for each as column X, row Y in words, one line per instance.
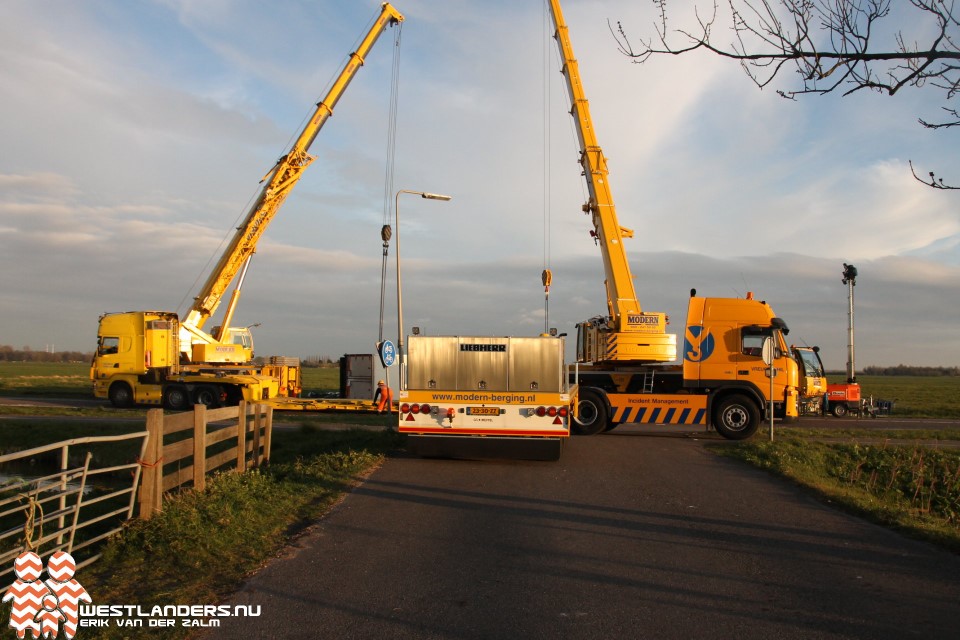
column 829, row 43
column 933, row 181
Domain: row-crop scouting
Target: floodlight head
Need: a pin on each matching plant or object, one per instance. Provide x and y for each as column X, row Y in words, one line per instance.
column 849, row 274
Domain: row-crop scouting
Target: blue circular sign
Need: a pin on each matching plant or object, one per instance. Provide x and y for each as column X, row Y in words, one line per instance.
column 388, row 353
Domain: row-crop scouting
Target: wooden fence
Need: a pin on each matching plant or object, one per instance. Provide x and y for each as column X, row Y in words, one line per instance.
column 172, row 460
column 43, row 514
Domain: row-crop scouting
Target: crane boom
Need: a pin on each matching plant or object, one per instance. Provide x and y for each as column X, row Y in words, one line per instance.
column 276, row 186
column 627, row 333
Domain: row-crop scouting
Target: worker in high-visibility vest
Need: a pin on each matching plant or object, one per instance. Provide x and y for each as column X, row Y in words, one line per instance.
column 383, row 397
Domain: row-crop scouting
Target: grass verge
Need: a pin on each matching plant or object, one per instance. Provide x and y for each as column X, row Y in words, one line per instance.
column 202, row 545
column 909, row 488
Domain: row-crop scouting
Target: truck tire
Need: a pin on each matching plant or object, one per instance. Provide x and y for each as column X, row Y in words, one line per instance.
column 121, row 395
column 736, row 417
column 839, row 410
column 207, row 395
column 591, row 414
column 176, row 398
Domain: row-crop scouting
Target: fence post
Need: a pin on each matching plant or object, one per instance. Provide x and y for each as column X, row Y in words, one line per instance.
column 242, row 437
column 64, row 465
column 268, row 435
column 257, row 424
column 151, row 486
column 199, row 447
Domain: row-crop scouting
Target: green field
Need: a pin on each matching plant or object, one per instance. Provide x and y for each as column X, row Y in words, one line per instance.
column 914, row 396
column 321, row 379
column 52, row 379
column 58, row 379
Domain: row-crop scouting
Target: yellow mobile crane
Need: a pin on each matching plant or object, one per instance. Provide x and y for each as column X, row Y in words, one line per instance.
column 627, row 333
column 153, row 357
column 623, row 376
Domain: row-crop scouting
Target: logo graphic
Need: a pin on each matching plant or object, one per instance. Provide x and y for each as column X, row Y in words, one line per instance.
column 698, row 344
column 40, row 606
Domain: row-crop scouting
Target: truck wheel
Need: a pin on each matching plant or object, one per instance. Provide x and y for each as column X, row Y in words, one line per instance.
column 175, row 398
column 207, row 395
column 591, row 414
column 120, row 394
column 839, row 410
column 736, row 418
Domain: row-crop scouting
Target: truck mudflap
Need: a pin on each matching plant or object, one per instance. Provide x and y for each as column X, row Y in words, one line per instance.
column 485, row 448
column 659, row 409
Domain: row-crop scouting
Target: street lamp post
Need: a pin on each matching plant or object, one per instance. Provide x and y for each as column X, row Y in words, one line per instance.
column 401, row 353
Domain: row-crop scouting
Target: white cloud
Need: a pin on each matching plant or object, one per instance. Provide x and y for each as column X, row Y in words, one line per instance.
column 138, row 132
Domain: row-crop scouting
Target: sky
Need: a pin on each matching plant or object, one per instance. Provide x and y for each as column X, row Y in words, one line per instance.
column 134, row 135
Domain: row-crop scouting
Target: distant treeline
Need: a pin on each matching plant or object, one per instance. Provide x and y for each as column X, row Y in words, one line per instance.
column 26, row 354
column 319, row 361
column 906, row 370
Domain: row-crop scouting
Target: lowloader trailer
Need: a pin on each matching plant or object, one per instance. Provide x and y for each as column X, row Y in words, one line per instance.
column 486, row 397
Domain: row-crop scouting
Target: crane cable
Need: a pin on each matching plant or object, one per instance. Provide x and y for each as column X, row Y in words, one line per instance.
column 386, row 232
column 547, row 276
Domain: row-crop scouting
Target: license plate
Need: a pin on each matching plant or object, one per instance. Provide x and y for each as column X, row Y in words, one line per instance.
column 483, row 411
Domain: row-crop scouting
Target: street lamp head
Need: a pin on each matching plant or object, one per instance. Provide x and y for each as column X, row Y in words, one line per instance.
column 402, row 357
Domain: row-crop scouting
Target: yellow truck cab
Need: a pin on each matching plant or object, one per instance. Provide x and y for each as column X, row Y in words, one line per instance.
column 813, row 380
column 723, row 350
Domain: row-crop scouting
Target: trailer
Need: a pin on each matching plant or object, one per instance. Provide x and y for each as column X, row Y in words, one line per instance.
column 486, row 397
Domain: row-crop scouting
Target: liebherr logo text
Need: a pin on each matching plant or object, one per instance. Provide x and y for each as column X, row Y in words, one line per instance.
column 499, row 348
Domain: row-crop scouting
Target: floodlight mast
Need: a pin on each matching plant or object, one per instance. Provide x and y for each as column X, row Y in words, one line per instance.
column 850, row 279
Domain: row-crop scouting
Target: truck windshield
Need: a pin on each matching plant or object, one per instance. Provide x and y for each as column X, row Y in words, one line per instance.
column 241, row 337
column 753, row 338
column 109, row 346
column 811, row 363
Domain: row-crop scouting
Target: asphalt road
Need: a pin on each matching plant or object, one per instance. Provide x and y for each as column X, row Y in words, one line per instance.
column 632, row 534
